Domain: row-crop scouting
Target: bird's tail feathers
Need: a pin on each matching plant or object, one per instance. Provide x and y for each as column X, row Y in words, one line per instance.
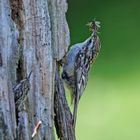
column 76, row 100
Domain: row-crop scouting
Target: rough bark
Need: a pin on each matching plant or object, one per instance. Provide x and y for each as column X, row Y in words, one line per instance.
column 63, row 116
column 33, row 36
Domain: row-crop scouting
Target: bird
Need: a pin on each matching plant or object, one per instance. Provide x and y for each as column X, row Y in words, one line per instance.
column 20, row 91
column 77, row 63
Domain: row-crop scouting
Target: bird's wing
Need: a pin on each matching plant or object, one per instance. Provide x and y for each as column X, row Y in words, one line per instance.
column 81, row 76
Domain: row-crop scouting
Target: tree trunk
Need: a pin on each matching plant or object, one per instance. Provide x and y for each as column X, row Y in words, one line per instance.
column 34, row 35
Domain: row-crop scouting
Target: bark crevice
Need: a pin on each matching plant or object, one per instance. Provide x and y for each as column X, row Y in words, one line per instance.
column 16, row 12
column 0, row 59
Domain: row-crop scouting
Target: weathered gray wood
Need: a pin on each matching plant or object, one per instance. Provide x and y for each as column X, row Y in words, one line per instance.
column 37, row 56
column 30, row 40
column 9, row 58
column 60, row 30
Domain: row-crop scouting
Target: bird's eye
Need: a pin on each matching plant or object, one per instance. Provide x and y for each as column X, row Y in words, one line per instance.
column 64, row 75
column 89, row 41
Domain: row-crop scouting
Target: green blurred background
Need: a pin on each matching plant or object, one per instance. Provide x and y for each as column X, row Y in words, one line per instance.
column 110, row 106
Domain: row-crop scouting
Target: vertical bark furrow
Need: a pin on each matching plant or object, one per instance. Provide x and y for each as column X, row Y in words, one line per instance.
column 16, row 12
column 0, row 59
column 17, row 17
